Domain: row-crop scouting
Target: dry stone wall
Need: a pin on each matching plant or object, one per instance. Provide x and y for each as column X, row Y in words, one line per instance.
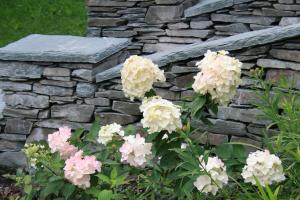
column 159, row 25
column 49, row 82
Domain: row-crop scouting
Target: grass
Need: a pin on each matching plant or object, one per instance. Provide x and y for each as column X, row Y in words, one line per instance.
column 19, row 18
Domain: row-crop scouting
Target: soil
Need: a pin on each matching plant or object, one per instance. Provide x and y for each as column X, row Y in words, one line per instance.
column 7, row 189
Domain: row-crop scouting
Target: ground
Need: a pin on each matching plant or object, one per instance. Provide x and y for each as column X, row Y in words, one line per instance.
column 19, row 18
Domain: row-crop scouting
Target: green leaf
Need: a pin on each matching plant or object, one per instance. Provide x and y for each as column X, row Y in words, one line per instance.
column 150, row 93
column 197, row 104
column 104, row 178
column 27, row 179
column 262, row 191
column 68, row 190
column 105, row 195
column 92, row 135
column 51, row 188
column 224, row 151
column 28, row 189
column 114, row 173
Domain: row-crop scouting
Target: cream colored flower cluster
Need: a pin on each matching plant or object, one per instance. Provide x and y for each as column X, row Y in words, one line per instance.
column 217, row 179
column 138, row 75
column 2, row 103
column 135, row 151
column 78, row 169
column 265, row 167
column 219, row 76
column 160, row 114
column 34, row 152
column 107, row 132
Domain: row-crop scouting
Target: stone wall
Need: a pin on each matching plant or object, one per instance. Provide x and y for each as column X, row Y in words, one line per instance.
column 158, row 25
column 49, row 82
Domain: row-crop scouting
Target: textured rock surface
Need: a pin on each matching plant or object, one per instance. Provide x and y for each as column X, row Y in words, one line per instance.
column 73, row 112
column 62, row 48
column 198, row 49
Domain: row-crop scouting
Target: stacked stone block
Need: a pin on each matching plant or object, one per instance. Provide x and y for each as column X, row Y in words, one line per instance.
column 162, row 25
column 42, row 95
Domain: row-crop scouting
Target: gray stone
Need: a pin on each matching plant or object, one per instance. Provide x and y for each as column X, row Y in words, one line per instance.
column 13, row 137
column 111, row 94
column 277, row 64
column 67, row 84
column 245, row 97
column 39, row 134
column 210, row 138
column 201, row 24
column 106, row 22
column 73, row 112
column 283, row 54
column 6, row 145
column 243, row 19
column 56, row 71
column 119, row 34
column 99, row 101
column 62, row 100
column 163, row 14
column 207, row 6
column 222, row 127
column 27, row 100
column 44, row 114
column 274, row 12
column 179, row 40
column 182, row 69
column 240, row 41
column 287, row 7
column 285, row 21
column 84, row 74
column 150, row 48
column 52, row 90
column 257, row 27
column 85, row 90
column 57, row 123
column 126, row 107
column 293, row 77
column 21, row 113
column 244, row 115
column 123, row 119
column 247, row 141
column 12, row 159
column 235, row 28
column 18, row 70
column 14, row 86
column 179, row 25
column 168, row 2
column 110, row 3
column 190, row 33
column 18, row 126
column 56, row 48
column 184, row 81
column 167, row 94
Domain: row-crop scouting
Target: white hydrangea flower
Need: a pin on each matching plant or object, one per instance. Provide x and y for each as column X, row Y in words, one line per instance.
column 2, row 103
column 135, row 151
column 265, row 167
column 107, row 132
column 160, row 114
column 219, row 76
column 217, row 179
column 138, row 75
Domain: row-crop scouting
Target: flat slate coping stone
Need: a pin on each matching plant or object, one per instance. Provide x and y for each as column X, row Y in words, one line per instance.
column 207, row 6
column 198, row 49
column 61, row 48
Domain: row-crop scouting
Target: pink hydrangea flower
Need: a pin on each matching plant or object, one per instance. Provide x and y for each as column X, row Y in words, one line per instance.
column 58, row 142
column 135, row 151
column 78, row 169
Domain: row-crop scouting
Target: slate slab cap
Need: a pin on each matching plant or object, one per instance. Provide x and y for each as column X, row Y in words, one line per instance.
column 59, row 48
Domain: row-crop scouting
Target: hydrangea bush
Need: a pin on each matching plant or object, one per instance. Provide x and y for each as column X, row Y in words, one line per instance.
column 162, row 161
